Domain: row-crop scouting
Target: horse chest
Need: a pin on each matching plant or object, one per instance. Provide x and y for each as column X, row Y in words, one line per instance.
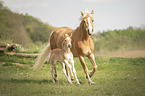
column 68, row 56
column 84, row 48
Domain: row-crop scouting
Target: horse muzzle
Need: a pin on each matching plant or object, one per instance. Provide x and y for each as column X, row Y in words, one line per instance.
column 69, row 45
column 90, row 32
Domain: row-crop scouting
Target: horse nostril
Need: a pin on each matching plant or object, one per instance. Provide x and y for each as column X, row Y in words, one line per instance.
column 88, row 30
column 69, row 46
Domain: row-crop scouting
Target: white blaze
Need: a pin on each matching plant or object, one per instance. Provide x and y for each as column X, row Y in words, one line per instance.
column 89, row 23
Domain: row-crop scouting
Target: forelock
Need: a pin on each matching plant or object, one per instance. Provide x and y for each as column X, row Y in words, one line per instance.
column 86, row 15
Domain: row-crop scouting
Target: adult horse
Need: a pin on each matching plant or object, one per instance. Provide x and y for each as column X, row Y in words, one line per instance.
column 82, row 44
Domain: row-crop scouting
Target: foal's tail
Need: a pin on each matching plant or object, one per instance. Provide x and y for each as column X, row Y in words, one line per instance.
column 42, row 57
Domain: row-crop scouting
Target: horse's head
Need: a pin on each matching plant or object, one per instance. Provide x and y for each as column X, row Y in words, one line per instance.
column 68, row 40
column 87, row 19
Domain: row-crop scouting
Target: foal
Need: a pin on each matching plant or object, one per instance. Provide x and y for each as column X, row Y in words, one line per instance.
column 65, row 57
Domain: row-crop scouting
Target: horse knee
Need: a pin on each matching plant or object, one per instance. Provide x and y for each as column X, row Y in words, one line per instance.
column 69, row 66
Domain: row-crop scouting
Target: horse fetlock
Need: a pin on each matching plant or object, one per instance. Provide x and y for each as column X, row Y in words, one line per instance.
column 95, row 68
column 92, row 72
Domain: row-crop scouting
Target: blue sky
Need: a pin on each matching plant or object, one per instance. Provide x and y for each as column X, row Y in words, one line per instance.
column 108, row 14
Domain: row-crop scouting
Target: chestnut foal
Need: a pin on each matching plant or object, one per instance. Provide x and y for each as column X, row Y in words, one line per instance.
column 65, row 57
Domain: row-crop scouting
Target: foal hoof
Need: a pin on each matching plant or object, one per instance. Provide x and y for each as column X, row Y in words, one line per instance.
column 78, row 83
column 55, row 79
column 70, row 82
column 72, row 79
column 92, row 83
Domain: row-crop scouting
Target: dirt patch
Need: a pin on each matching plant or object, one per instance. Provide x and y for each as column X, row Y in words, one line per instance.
column 126, row 54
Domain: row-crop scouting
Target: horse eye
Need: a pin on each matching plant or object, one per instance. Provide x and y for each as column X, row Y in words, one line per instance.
column 92, row 20
column 65, row 40
column 84, row 21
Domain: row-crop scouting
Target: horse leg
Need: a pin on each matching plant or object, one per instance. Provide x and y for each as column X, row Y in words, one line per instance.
column 52, row 67
column 67, row 71
column 74, row 71
column 64, row 71
column 85, row 69
column 92, row 59
column 56, row 74
column 70, row 67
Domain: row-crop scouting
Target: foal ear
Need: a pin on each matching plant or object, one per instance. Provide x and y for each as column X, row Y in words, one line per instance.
column 65, row 35
column 82, row 13
column 70, row 35
column 92, row 12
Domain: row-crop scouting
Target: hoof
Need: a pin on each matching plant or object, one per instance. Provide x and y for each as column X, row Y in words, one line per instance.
column 70, row 82
column 78, row 83
column 72, row 79
column 55, row 80
column 92, row 83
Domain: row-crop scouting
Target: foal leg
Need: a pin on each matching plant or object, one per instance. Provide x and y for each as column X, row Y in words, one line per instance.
column 85, row 69
column 67, row 71
column 92, row 59
column 56, row 74
column 64, row 71
column 74, row 71
column 52, row 67
column 70, row 67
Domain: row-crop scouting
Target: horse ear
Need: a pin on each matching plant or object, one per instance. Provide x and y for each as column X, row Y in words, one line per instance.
column 71, row 35
column 65, row 35
column 92, row 12
column 82, row 13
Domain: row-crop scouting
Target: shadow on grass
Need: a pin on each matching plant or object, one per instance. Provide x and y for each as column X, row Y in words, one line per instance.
column 27, row 81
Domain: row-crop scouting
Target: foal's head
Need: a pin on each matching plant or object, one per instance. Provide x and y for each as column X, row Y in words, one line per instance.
column 67, row 39
column 88, row 20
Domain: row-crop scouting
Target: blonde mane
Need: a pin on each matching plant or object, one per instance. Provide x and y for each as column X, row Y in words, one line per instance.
column 86, row 14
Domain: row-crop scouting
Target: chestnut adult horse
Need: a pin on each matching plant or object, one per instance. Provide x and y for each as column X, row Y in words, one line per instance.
column 82, row 44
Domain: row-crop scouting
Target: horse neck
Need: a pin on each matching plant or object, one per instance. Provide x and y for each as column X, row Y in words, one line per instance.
column 66, row 49
column 81, row 32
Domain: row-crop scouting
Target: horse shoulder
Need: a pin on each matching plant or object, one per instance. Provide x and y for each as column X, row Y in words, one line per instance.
column 91, row 44
column 84, row 47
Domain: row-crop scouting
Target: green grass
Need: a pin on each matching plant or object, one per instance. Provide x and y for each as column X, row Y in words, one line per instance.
column 115, row 76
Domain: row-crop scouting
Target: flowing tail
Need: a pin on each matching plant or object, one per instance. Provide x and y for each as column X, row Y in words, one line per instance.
column 42, row 57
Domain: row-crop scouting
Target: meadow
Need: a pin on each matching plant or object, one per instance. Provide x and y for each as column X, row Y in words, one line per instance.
column 116, row 76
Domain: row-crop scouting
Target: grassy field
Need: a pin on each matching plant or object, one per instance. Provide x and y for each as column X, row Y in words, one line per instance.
column 115, row 76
